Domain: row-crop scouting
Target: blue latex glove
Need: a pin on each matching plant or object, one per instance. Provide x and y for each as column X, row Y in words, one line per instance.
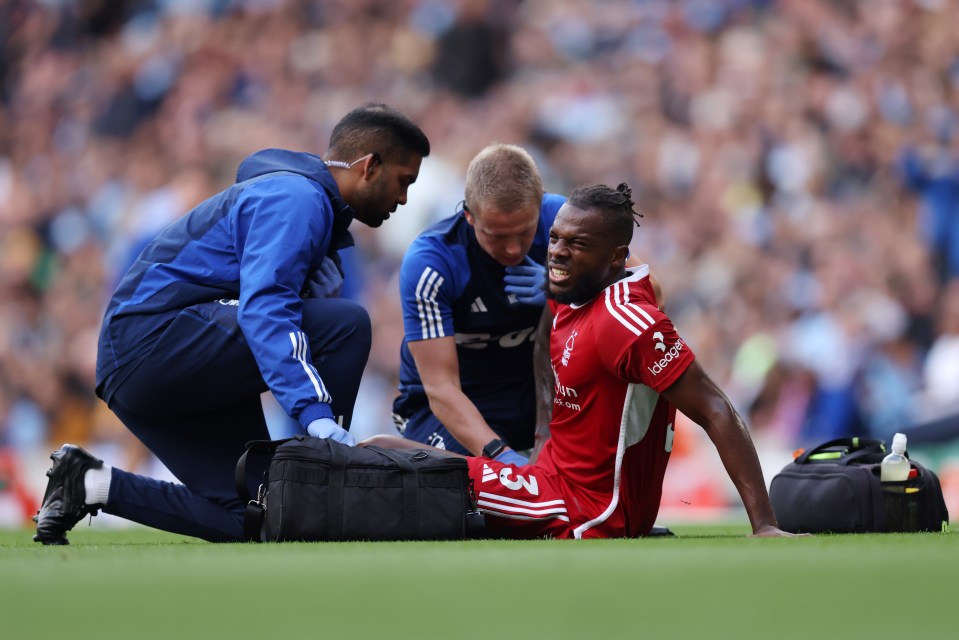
column 527, row 282
column 511, row 457
column 326, row 281
column 327, row 428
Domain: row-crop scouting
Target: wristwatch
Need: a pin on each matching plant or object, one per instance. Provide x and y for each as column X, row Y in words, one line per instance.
column 493, row 448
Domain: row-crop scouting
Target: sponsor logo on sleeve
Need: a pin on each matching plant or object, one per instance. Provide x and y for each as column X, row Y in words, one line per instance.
column 658, row 337
column 669, row 353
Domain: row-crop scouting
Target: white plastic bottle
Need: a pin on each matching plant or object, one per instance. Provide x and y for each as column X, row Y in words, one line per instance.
column 895, row 466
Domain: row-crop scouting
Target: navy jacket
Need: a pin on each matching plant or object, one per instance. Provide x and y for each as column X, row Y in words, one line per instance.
column 253, row 246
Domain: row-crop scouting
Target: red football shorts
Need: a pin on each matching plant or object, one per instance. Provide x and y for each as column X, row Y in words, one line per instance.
column 520, row 502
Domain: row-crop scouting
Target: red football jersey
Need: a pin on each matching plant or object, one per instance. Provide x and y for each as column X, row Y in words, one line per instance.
column 611, row 432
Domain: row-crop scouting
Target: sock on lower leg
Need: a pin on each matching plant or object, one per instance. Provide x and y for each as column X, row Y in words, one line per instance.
column 96, row 482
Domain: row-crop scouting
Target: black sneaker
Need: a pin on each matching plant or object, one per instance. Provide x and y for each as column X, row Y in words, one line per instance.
column 64, row 502
column 660, row 532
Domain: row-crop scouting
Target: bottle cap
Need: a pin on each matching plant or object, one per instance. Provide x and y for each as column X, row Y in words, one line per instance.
column 899, row 443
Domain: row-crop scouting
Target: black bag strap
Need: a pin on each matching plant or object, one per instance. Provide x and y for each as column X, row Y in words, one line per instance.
column 253, row 513
column 335, row 495
column 411, row 496
column 255, row 447
column 851, row 450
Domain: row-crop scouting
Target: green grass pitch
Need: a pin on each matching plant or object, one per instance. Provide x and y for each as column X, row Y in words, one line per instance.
column 708, row 582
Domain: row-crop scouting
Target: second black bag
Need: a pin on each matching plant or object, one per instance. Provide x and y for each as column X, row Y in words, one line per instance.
column 318, row 489
column 835, row 488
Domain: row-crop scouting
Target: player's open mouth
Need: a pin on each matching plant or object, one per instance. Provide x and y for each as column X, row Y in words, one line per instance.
column 557, row 275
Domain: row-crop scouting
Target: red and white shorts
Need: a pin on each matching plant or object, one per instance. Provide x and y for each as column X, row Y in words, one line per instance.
column 520, row 502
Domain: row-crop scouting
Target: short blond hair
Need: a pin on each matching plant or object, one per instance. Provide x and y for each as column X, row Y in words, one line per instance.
column 503, row 177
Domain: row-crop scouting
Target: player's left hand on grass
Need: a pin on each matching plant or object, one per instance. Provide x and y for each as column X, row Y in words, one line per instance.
column 769, row 531
column 527, row 281
column 511, row 457
column 326, row 281
column 327, row 428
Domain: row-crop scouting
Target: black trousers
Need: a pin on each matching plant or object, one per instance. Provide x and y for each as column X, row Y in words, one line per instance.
column 194, row 401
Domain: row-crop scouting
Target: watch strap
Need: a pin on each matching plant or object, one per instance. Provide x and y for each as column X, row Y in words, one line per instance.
column 493, row 448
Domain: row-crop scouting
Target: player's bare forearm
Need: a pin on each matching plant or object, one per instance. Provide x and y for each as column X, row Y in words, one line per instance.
column 699, row 398
column 736, row 450
column 731, row 438
column 544, row 385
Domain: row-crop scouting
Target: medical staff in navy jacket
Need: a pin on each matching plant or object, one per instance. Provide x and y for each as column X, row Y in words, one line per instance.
column 227, row 302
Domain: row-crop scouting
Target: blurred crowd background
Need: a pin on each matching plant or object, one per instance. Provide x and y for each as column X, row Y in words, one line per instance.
column 796, row 162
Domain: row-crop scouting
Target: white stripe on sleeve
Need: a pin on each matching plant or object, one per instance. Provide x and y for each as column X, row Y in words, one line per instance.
column 431, row 321
column 613, row 308
column 628, row 307
column 298, row 338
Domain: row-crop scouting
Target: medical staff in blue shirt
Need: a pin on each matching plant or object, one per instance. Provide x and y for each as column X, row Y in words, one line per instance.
column 472, row 289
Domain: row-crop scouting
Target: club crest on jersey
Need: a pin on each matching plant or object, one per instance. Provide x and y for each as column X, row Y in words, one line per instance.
column 568, row 350
column 669, row 354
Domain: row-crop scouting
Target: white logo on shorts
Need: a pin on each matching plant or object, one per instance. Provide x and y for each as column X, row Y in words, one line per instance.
column 488, row 474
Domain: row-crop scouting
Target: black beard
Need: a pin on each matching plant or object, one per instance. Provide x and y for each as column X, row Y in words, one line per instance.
column 586, row 289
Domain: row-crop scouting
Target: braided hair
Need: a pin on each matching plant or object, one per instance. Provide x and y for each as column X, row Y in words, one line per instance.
column 617, row 205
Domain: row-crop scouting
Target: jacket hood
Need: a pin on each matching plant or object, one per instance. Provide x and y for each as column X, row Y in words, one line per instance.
column 305, row 164
column 271, row 160
column 312, row 167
